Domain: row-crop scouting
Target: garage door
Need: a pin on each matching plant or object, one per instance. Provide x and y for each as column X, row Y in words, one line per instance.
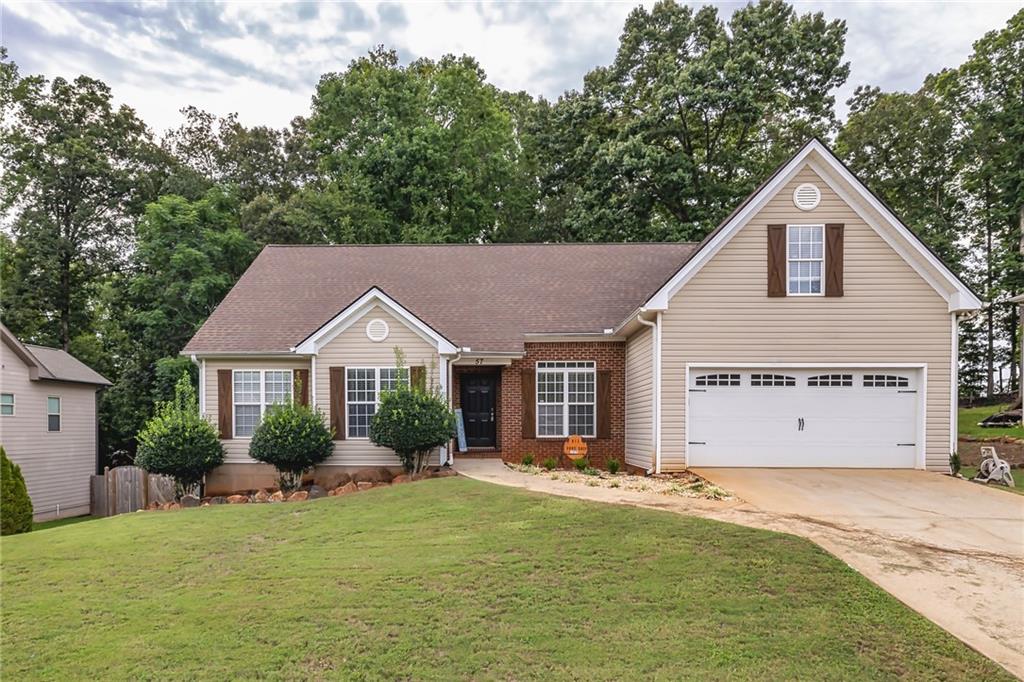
column 776, row 417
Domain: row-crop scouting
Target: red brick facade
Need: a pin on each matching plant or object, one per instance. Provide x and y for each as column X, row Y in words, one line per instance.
column 512, row 445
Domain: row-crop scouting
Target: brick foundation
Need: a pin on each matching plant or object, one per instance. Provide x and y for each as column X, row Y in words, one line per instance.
column 511, row 445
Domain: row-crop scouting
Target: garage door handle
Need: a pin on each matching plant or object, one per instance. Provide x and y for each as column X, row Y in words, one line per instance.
column 696, row 442
column 906, row 391
column 905, row 445
column 698, row 390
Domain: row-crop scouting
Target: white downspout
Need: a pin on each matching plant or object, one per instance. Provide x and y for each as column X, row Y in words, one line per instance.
column 450, row 372
column 656, row 342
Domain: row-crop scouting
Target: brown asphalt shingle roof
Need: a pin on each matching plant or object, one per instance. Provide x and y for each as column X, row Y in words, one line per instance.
column 63, row 366
column 485, row 297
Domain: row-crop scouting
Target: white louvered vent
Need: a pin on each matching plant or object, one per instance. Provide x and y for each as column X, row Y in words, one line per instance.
column 377, row 330
column 807, row 196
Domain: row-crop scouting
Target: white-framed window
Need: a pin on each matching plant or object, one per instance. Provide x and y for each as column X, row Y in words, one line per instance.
column 6, row 404
column 831, row 380
column 772, row 380
column 363, row 387
column 885, row 381
column 805, row 262
column 53, row 413
column 566, row 399
column 253, row 391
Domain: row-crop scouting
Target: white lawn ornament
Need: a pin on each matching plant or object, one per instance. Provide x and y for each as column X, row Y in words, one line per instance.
column 992, row 469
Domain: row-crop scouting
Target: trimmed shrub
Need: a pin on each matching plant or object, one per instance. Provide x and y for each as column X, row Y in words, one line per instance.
column 412, row 423
column 528, row 459
column 613, row 466
column 581, row 464
column 14, row 499
column 179, row 442
column 293, row 439
column 549, row 463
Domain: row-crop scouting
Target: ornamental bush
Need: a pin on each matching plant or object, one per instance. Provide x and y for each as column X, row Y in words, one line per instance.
column 15, row 504
column 293, row 439
column 412, row 422
column 179, row 442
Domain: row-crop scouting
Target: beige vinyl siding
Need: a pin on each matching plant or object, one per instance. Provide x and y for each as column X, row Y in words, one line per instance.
column 236, row 450
column 352, row 348
column 889, row 314
column 56, row 465
column 640, row 399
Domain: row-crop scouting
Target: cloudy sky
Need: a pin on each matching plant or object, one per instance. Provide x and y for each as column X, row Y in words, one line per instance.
column 263, row 59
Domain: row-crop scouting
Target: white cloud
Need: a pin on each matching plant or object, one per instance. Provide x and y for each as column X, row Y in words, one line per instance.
column 263, row 60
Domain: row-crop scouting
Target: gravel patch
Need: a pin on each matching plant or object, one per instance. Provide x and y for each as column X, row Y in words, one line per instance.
column 684, row 484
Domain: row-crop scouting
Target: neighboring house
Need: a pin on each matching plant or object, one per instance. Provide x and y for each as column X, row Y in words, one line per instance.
column 810, row 329
column 48, row 424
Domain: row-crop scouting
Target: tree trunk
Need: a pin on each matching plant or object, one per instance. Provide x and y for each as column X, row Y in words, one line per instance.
column 65, row 300
column 989, row 312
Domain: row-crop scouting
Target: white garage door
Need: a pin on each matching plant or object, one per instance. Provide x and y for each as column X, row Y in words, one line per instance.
column 830, row 417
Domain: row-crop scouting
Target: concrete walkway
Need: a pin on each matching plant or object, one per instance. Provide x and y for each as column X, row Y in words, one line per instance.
column 950, row 552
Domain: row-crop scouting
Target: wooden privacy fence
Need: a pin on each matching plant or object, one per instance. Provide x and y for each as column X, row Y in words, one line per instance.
column 127, row 489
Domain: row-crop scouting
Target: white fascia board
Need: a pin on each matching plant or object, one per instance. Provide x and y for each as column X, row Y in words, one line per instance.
column 660, row 299
column 825, row 164
column 360, row 307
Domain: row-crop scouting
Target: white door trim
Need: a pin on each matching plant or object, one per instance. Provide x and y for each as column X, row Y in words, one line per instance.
column 922, row 402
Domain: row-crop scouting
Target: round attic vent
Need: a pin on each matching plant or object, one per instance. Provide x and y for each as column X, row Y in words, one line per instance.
column 807, row 196
column 377, row 330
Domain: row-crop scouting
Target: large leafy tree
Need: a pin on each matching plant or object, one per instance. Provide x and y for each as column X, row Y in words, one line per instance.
column 690, row 116
column 188, row 255
column 77, row 171
column 904, row 147
column 426, row 149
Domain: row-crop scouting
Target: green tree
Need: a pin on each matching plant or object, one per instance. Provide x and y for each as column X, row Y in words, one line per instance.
column 14, row 499
column 179, row 442
column 427, row 148
column 904, row 147
column 690, row 116
column 77, row 171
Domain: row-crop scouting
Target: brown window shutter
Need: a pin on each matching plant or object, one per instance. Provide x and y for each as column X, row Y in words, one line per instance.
column 337, row 402
column 834, row 259
column 302, row 384
column 776, row 260
column 604, row 403
column 418, row 378
column 224, row 403
column 529, row 395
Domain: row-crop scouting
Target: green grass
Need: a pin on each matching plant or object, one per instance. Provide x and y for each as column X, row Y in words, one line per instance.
column 1018, row 478
column 450, row 579
column 57, row 523
column 968, row 418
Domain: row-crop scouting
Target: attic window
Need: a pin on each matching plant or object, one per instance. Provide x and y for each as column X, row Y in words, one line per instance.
column 377, row 330
column 807, row 196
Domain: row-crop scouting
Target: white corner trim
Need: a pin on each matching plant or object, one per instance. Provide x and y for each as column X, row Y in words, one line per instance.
column 954, row 383
column 360, row 307
column 959, row 297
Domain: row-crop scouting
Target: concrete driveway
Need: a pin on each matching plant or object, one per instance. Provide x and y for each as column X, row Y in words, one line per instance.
column 950, row 549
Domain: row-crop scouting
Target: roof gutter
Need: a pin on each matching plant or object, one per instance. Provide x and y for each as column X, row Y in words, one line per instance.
column 656, row 341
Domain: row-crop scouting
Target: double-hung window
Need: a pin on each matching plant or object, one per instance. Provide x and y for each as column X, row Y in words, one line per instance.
column 566, row 402
column 363, row 387
column 53, row 413
column 6, row 404
column 255, row 390
column 805, row 264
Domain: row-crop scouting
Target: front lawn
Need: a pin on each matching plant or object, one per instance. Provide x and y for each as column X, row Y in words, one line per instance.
column 450, row 579
column 968, row 418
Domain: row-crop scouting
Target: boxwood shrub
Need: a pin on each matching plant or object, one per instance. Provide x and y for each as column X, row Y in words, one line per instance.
column 293, row 439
